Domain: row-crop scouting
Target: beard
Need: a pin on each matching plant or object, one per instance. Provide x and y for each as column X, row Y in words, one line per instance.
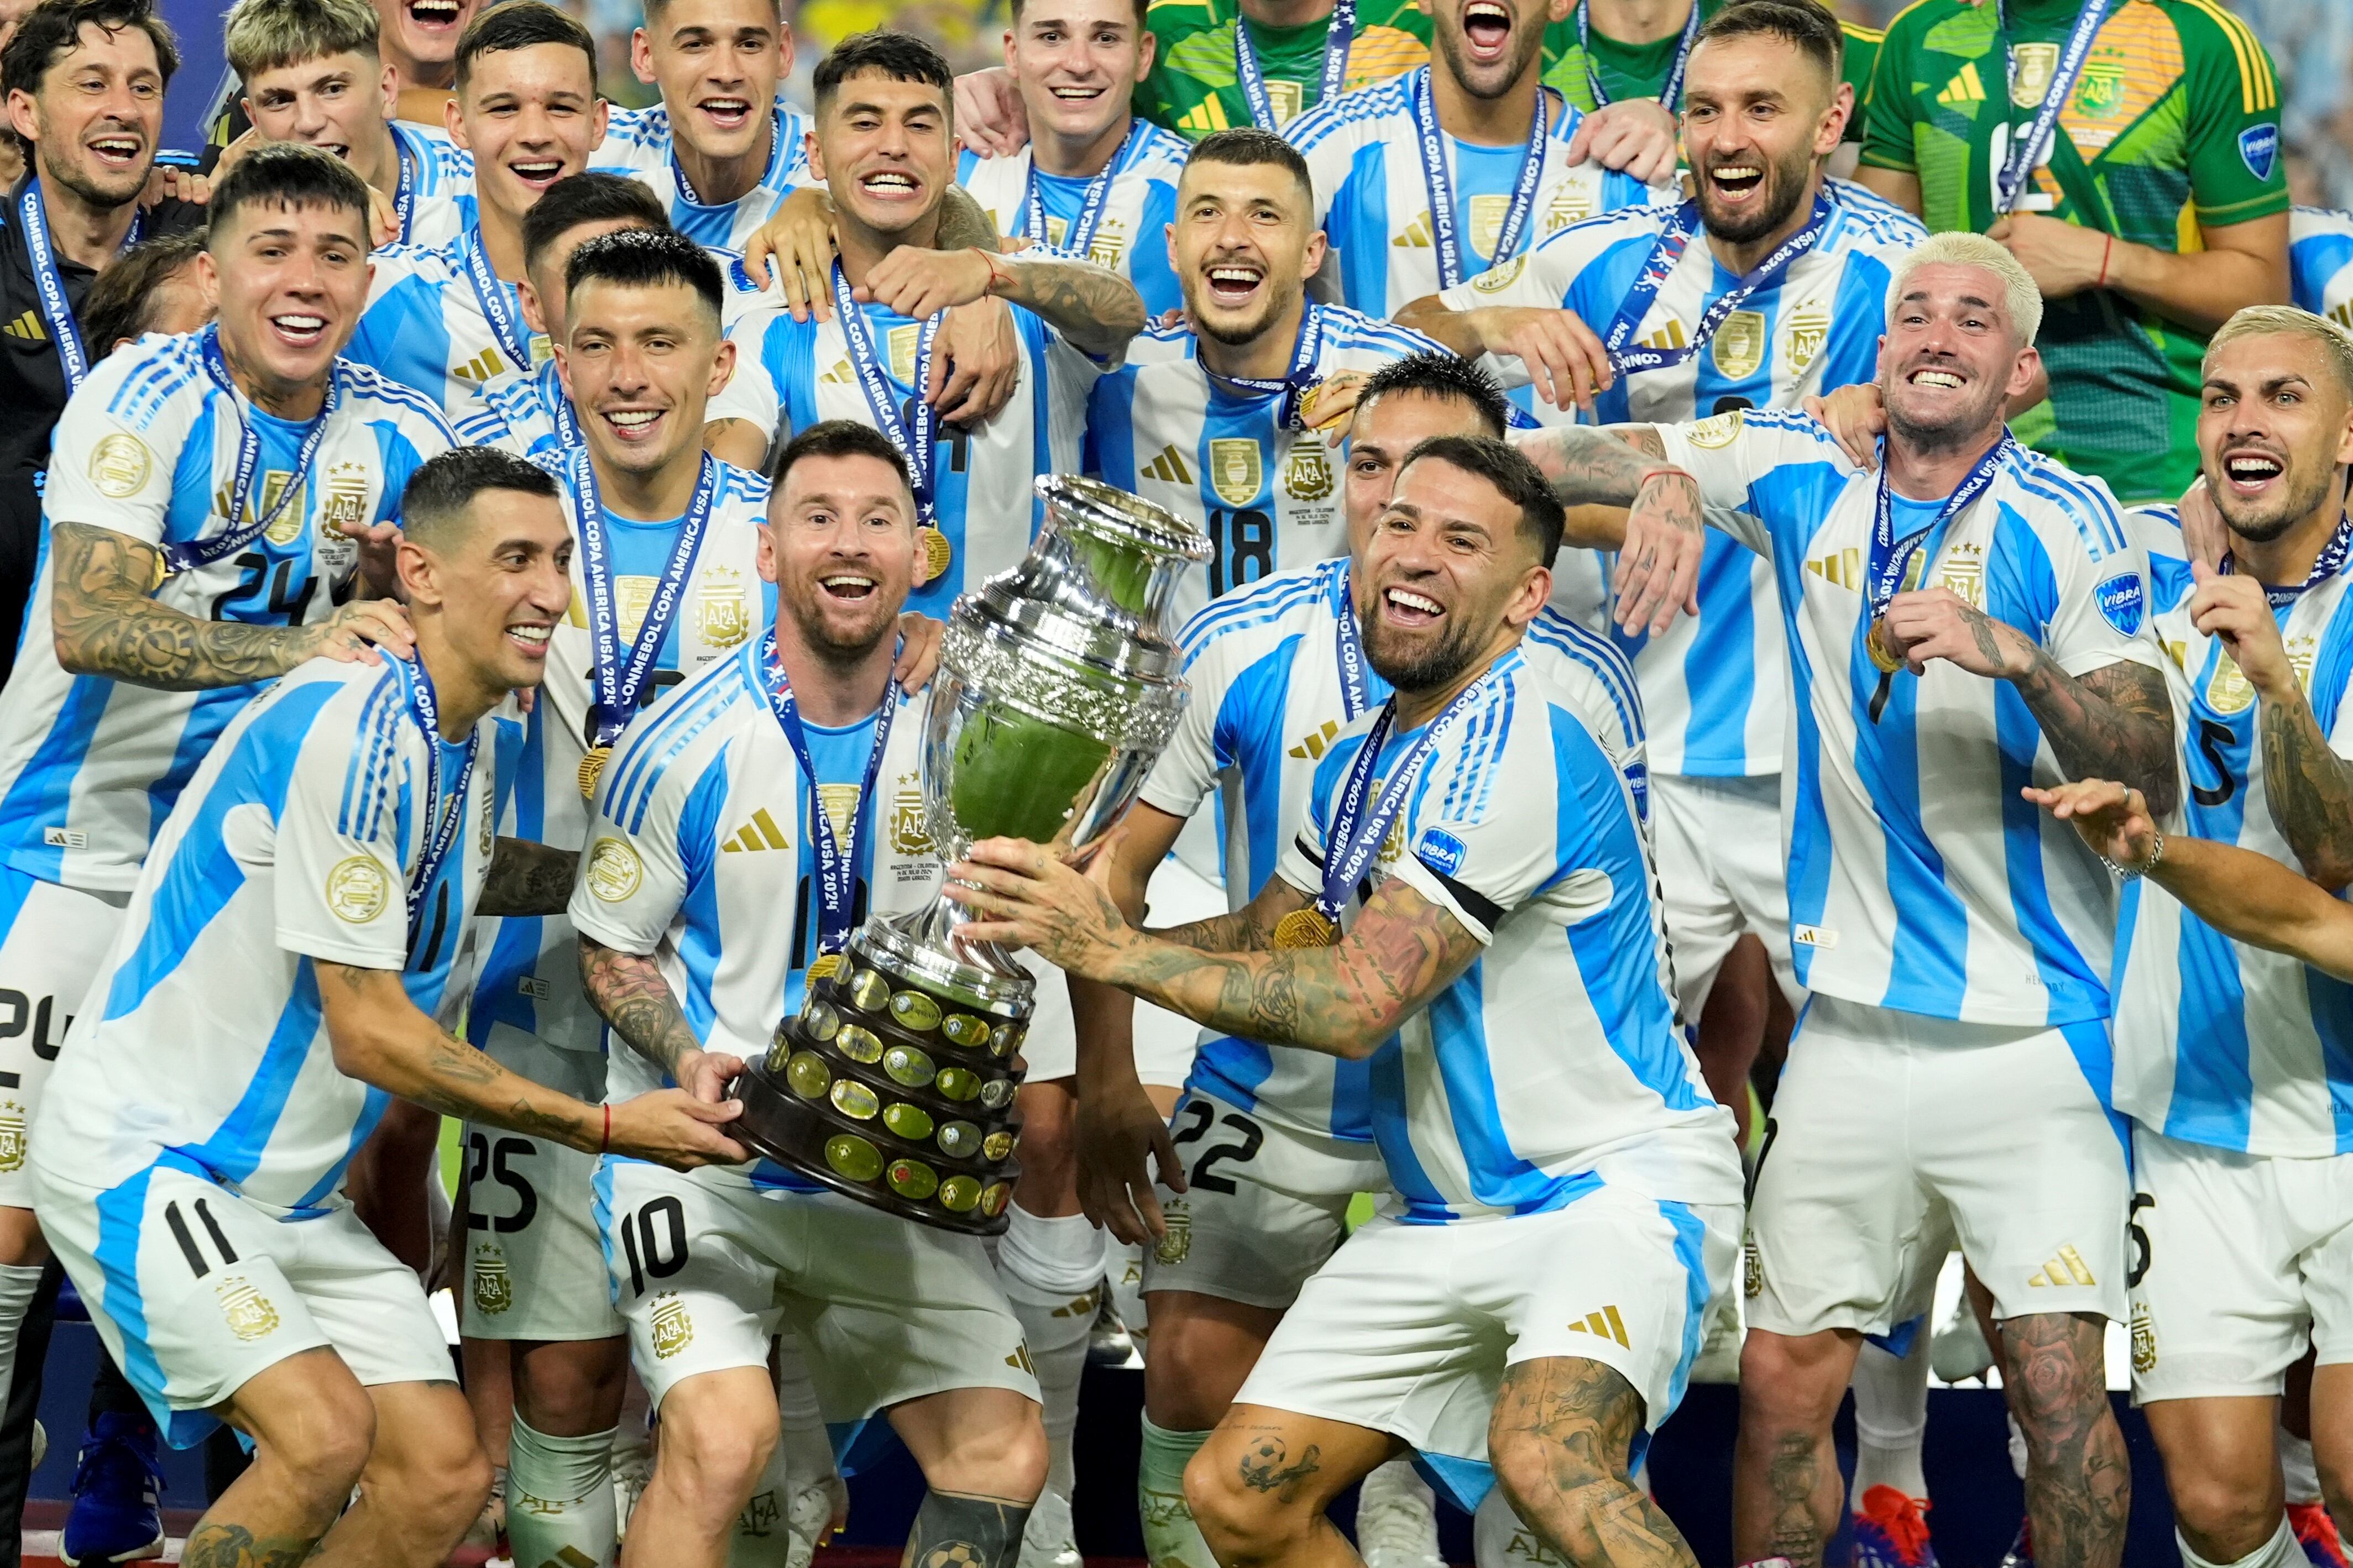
column 839, row 639
column 1965, row 422
column 1238, row 334
column 89, row 184
column 2269, row 516
column 1526, row 42
column 1412, row 665
column 1785, row 182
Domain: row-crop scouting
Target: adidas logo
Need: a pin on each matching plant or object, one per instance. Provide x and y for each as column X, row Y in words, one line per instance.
column 1080, row 1306
column 27, row 327
column 1416, row 236
column 2343, row 315
column 481, row 367
column 1965, row 87
column 840, row 375
column 1604, row 1325
column 2067, row 1269
column 1318, row 741
column 1203, row 118
column 1168, row 468
column 760, row 833
column 569, row 1556
column 1670, row 336
column 1020, row 1358
column 1842, row 569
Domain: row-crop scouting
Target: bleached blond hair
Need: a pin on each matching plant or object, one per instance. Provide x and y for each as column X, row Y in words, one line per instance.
column 2021, row 302
column 2286, row 320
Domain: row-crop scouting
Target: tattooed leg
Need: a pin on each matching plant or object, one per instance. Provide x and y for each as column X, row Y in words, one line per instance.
column 955, row 1531
column 2078, row 1478
column 312, row 1425
column 1787, row 1495
column 1559, row 1442
column 1259, row 1486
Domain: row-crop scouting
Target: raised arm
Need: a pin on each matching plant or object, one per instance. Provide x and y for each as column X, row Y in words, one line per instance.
column 1094, row 307
column 1660, row 534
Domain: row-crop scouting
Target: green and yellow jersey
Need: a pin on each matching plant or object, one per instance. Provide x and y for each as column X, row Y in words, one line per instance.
column 1640, row 71
column 2172, row 129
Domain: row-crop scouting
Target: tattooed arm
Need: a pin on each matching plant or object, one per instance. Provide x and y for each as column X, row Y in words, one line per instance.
column 381, row 1037
column 527, row 879
column 105, row 623
column 1096, row 309
column 628, row 993
column 1622, row 495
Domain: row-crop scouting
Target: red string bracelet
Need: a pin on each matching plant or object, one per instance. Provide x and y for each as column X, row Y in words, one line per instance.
column 1654, row 472
column 2106, row 250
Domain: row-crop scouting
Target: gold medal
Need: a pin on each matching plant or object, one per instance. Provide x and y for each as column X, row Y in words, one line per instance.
column 591, row 766
column 1307, row 402
column 937, row 553
column 1308, row 927
column 823, row 966
column 1880, row 645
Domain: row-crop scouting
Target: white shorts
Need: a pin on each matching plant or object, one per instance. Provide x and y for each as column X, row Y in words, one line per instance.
column 52, row 941
column 534, row 1257
column 1722, row 872
column 197, row 1290
column 2237, row 1256
column 1409, row 1328
column 1895, row 1137
column 1264, row 1204
column 705, row 1268
column 1163, row 1041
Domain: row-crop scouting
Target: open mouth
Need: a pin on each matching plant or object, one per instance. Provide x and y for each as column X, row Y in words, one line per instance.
column 727, row 113
column 1935, row 380
column 537, row 173
column 1487, row 28
column 1077, row 94
column 850, row 587
column 1232, row 283
column 122, row 152
column 1736, row 182
column 1404, row 607
column 2251, row 471
column 434, row 14
column 890, row 184
column 631, row 425
column 530, row 638
column 298, row 329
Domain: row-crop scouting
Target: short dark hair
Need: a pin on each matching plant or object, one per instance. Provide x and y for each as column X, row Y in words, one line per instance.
column 52, row 29
column 646, row 258
column 286, row 175
column 582, row 198
column 439, row 492
column 1808, row 24
column 1435, row 374
column 1506, row 468
column 121, row 302
column 520, row 24
column 901, row 57
column 839, row 438
column 1247, row 146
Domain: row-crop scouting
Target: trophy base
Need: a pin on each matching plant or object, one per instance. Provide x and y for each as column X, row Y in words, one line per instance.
column 895, row 1083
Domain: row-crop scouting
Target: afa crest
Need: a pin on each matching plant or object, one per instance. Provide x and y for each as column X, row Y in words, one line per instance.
column 723, row 615
column 493, row 1285
column 344, row 506
column 1306, row 474
column 250, row 1316
column 12, row 1136
column 1803, row 332
column 910, row 834
column 673, row 1330
column 1178, row 1242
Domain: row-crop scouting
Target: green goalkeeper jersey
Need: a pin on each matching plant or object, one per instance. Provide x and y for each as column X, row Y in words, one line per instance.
column 2172, row 129
column 1640, row 70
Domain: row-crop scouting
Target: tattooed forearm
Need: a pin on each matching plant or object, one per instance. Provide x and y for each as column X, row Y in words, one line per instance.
column 233, row 1546
column 1267, row 1466
column 628, row 990
column 1559, row 1438
column 527, row 879
column 1093, row 307
column 1587, row 466
column 2111, row 723
column 964, row 222
column 2311, row 789
column 2078, row 1476
column 105, row 624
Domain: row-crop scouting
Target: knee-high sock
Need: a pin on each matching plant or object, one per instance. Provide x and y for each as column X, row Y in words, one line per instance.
column 1052, row 1271
column 1498, row 1539
column 1891, row 1413
column 989, row 1527
column 559, row 1498
column 2298, row 1468
column 18, row 1281
column 761, row 1539
column 1124, row 1268
column 1171, row 1539
column 2282, row 1550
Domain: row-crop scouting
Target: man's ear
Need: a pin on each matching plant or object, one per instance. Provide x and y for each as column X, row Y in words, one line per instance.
column 419, row 573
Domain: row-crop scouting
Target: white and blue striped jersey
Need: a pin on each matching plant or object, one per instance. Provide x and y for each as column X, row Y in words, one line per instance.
column 1553, row 1064
column 2218, row 1042
column 791, row 375
column 1980, row 908
column 531, row 975
column 1715, row 684
column 1372, row 198
column 1266, row 701
column 90, row 765
column 1132, row 236
column 425, row 327
column 2320, row 262
column 514, row 411
column 1270, row 499
column 699, row 857
column 203, row 1041
column 638, row 143
column 444, row 185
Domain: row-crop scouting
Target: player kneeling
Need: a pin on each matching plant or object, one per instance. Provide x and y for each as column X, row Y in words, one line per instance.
column 769, row 754
column 297, row 918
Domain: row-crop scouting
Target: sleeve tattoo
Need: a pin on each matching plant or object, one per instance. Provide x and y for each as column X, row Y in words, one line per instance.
column 2311, row 790
column 1602, row 465
column 2113, row 723
column 1093, row 307
column 527, row 879
column 627, row 989
column 106, row 623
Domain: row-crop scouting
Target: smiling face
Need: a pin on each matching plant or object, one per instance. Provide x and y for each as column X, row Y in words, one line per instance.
column 1380, row 437
column 528, row 116
column 640, row 363
column 1076, row 61
column 717, row 63
column 291, row 281
column 421, row 36
column 1447, row 568
column 338, row 104
column 885, row 150
column 1488, row 44
column 1757, row 114
column 840, row 545
column 95, row 122
column 1951, row 359
column 496, row 586
column 2274, row 432
column 1245, row 242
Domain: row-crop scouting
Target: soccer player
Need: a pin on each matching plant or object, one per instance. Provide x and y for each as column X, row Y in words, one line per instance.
column 1627, row 50
column 885, row 142
column 1480, row 928
column 800, row 734
column 85, row 83
column 1094, row 179
column 312, row 71
column 154, row 287
column 420, row 39
column 328, row 854
column 2128, row 156
column 1968, row 618
column 2320, row 262
column 1437, row 176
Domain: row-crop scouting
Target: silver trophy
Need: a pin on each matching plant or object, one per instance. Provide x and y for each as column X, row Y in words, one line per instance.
column 1058, row 687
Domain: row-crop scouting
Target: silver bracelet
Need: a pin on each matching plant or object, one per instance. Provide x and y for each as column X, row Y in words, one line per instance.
column 2131, row 873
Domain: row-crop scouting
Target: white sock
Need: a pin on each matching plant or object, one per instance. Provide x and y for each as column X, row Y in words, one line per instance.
column 19, row 1283
column 760, row 1539
column 1124, row 1267
column 2282, row 1550
column 2017, row 1451
column 1171, row 1539
column 1499, row 1539
column 1052, row 1271
column 1891, row 1411
column 559, row 1498
column 2295, row 1465
column 806, row 1444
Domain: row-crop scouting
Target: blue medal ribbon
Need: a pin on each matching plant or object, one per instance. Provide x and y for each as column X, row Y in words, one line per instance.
column 916, row 445
column 776, row 151
column 49, row 285
column 1337, row 42
column 441, row 821
column 404, row 194
column 1348, row 647
column 1080, row 234
column 619, row 681
column 1440, row 182
column 1671, row 92
column 492, row 295
column 2330, row 563
column 837, row 881
column 1355, row 839
column 2012, row 178
column 559, row 408
column 196, row 552
column 1630, row 357
column 1296, row 379
column 1891, row 557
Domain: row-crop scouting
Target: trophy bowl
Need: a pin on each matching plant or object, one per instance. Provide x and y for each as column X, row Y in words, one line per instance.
column 1058, row 687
